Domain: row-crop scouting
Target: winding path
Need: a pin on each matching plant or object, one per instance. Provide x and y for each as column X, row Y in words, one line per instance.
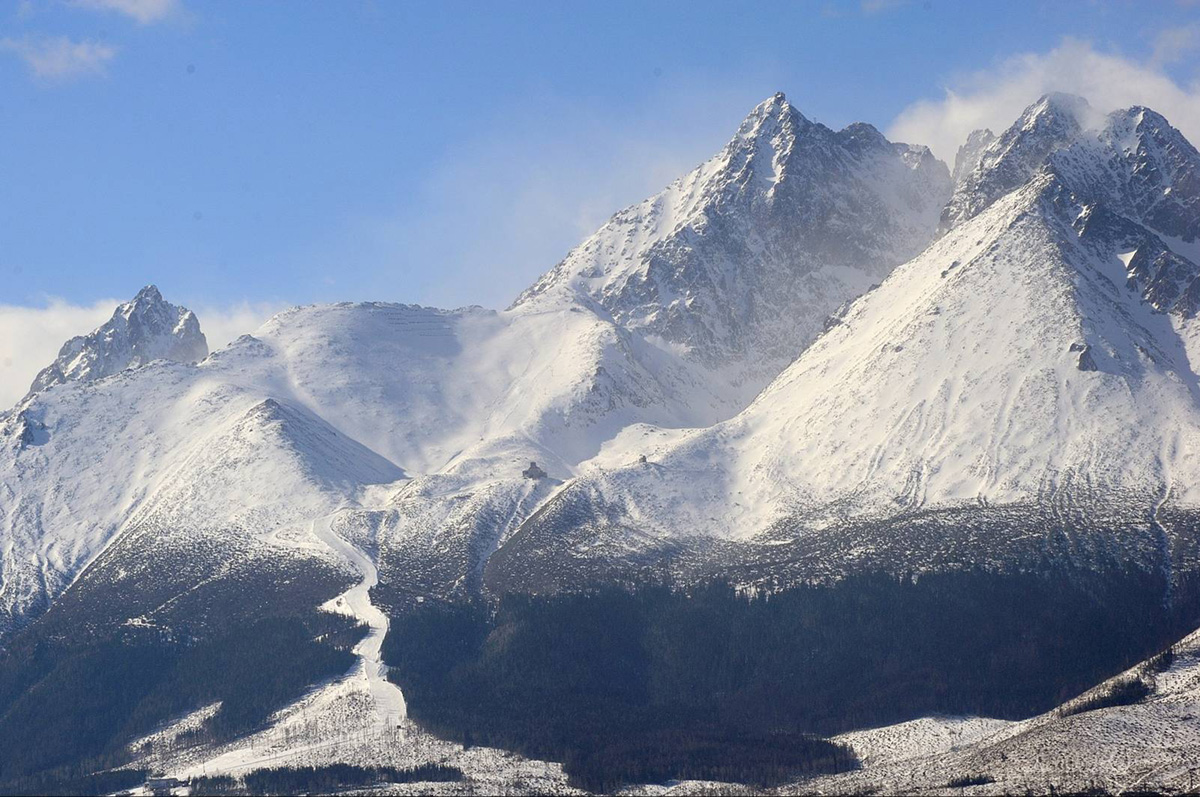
column 390, row 708
column 369, row 675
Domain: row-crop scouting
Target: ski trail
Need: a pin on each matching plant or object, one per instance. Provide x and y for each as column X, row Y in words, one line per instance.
column 390, row 709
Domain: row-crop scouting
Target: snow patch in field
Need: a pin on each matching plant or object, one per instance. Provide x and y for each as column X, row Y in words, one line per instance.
column 919, row 737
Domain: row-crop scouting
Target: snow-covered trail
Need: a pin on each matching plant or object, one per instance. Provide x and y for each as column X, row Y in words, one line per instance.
column 297, row 733
column 390, row 709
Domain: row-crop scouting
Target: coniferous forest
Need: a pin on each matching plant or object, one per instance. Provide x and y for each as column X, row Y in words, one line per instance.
column 621, row 687
column 709, row 683
column 70, row 707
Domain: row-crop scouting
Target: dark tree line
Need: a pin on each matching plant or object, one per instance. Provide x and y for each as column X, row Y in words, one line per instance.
column 73, row 780
column 1124, row 692
column 70, row 707
column 326, row 779
column 709, row 683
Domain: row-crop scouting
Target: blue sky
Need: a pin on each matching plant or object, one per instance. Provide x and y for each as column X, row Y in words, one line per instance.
column 254, row 155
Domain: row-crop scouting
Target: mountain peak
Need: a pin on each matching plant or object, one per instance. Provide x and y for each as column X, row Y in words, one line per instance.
column 775, row 121
column 1059, row 106
column 969, row 154
column 736, row 265
column 989, row 167
column 1131, row 160
column 150, row 293
column 144, row 329
column 861, row 136
column 776, row 106
column 1144, row 116
column 1145, row 169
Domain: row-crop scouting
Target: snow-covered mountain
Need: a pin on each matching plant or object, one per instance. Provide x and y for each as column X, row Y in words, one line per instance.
column 1033, row 366
column 144, row 329
column 737, row 264
column 674, row 314
column 1034, row 359
column 817, row 352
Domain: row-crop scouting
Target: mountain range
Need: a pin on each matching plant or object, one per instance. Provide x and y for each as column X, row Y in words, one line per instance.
column 1036, row 359
column 818, row 355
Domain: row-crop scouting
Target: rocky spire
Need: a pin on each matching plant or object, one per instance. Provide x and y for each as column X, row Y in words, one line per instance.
column 144, row 329
column 1006, row 163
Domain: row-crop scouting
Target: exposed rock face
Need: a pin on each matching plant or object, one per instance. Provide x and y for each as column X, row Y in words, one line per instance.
column 1169, row 282
column 970, row 153
column 142, row 330
column 25, row 430
column 533, row 471
column 1085, row 361
column 1142, row 167
column 739, row 263
column 1005, row 163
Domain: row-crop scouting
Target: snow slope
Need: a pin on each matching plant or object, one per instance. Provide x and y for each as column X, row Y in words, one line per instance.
column 356, row 602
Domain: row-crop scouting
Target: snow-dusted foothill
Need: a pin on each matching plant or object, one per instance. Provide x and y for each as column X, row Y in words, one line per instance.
column 1109, row 740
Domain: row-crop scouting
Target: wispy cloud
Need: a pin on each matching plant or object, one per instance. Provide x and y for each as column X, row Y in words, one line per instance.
column 512, row 202
column 879, row 6
column 60, row 58
column 30, row 337
column 1173, row 44
column 145, row 12
column 994, row 97
column 222, row 324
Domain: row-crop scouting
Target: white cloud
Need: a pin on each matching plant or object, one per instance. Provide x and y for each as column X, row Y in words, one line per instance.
column 996, row 96
column 60, row 58
column 144, row 11
column 30, row 337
